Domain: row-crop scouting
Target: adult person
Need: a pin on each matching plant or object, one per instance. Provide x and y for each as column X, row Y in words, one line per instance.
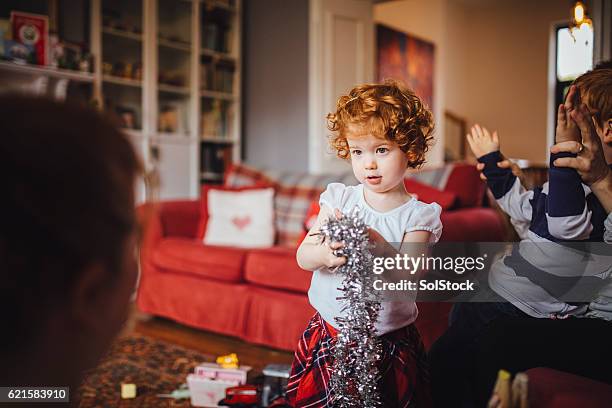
column 466, row 358
column 519, row 343
column 68, row 236
column 590, row 162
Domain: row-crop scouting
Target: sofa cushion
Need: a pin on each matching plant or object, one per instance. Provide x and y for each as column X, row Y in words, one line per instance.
column 276, row 268
column 428, row 194
column 240, row 218
column 190, row 256
column 311, row 218
column 464, row 180
column 472, row 225
column 179, row 218
column 294, row 193
column 206, row 188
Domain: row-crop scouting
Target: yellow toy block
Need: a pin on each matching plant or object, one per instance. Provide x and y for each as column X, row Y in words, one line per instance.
column 128, row 391
column 228, row 361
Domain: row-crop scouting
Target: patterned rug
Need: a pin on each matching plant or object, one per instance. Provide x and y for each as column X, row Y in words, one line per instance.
column 156, row 367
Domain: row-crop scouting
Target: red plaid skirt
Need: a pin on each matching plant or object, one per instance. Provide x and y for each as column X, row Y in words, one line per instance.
column 403, row 366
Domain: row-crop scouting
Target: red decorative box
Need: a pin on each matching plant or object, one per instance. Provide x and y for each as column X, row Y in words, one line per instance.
column 32, row 29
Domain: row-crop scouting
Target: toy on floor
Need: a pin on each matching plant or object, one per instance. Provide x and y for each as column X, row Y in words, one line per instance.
column 128, row 391
column 280, row 402
column 228, row 361
column 209, row 382
column 242, row 396
column 275, row 383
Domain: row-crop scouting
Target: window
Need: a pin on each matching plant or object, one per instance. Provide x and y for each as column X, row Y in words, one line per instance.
column 574, row 57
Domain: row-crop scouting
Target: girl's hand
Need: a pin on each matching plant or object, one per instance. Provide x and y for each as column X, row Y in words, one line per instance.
column 329, row 257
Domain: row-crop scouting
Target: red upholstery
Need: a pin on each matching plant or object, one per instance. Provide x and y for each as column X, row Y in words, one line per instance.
column 276, row 268
column 204, row 303
column 472, row 224
column 432, row 320
column 465, row 182
column 180, row 218
column 276, row 318
column 550, row 388
column 428, row 194
column 192, row 257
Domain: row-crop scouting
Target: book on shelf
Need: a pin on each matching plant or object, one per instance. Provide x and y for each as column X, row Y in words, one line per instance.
column 214, row 119
column 214, row 158
column 224, row 78
column 216, row 34
column 218, row 76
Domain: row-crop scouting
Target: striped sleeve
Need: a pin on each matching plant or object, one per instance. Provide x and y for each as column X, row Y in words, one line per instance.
column 507, row 189
column 567, row 213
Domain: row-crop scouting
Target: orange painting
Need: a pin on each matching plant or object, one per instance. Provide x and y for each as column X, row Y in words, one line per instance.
column 407, row 58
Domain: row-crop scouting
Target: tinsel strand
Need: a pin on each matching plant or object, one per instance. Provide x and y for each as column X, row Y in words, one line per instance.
column 357, row 351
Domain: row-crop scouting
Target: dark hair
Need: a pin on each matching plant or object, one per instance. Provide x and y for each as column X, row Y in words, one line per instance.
column 596, row 90
column 67, row 177
column 607, row 64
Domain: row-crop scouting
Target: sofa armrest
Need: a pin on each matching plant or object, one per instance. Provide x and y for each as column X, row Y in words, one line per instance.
column 473, row 225
column 165, row 219
column 150, row 224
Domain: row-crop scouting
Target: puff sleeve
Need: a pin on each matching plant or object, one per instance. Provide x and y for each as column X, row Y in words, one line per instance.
column 332, row 196
column 426, row 218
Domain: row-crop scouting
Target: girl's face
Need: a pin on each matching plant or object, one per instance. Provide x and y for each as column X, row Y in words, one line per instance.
column 377, row 163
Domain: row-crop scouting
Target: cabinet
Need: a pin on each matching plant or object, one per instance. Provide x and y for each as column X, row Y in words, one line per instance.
column 167, row 71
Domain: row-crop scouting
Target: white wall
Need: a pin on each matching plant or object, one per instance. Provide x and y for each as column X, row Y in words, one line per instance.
column 491, row 63
column 275, row 70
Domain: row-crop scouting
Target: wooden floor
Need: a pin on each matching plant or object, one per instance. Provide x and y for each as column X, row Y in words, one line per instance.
column 207, row 342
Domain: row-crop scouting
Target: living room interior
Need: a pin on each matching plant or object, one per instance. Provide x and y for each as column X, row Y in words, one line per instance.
column 231, row 96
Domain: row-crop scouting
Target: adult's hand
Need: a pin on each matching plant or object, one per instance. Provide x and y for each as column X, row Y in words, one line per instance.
column 590, row 161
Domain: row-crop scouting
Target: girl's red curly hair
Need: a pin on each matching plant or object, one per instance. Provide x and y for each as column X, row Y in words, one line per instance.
column 390, row 111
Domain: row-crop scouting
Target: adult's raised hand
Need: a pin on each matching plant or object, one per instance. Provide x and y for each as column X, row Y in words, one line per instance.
column 590, row 161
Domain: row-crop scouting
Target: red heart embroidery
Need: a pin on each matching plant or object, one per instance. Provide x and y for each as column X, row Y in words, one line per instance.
column 241, row 222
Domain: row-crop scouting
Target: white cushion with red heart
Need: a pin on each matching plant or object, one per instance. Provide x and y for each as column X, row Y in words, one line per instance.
column 240, row 218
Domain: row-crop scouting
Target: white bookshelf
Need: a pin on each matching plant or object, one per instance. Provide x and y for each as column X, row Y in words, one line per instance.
column 147, row 68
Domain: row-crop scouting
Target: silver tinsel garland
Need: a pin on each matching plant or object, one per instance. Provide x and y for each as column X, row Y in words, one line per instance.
column 355, row 375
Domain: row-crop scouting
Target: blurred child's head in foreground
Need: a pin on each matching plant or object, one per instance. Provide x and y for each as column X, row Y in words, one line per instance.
column 67, row 234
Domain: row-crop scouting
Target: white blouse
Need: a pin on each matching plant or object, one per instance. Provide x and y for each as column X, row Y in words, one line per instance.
column 411, row 216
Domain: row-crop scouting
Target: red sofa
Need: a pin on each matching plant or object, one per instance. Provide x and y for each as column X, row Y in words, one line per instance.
column 260, row 295
column 556, row 389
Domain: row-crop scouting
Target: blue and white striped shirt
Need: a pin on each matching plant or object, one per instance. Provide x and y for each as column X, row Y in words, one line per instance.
column 562, row 210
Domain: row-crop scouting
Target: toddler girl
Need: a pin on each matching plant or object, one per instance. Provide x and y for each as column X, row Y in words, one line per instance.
column 382, row 129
